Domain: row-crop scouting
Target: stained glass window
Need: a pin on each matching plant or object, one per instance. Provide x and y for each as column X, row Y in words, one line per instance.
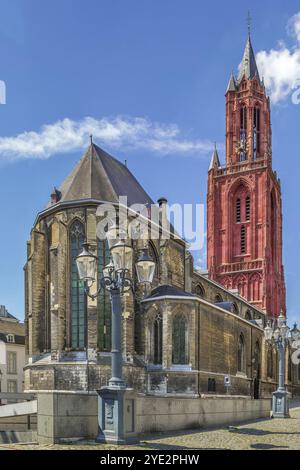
column 78, row 298
column 104, row 303
column 157, row 339
column 179, row 355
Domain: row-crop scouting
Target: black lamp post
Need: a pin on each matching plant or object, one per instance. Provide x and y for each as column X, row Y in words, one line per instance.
column 116, row 278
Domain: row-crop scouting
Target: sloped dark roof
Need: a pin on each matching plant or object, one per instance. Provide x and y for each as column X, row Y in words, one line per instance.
column 101, row 177
column 168, row 291
column 248, row 67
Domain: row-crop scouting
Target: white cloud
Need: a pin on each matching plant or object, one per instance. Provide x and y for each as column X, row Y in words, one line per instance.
column 293, row 26
column 118, row 133
column 280, row 67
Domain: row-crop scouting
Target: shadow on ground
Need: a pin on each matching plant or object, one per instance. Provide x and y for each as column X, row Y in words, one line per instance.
column 267, row 446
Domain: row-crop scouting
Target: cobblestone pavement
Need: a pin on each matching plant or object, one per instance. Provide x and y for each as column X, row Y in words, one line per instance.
column 270, row 434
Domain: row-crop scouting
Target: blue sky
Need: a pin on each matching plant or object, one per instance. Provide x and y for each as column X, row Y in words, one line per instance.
column 152, row 76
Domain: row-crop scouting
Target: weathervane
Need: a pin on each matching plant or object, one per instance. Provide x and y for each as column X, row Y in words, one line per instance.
column 91, row 137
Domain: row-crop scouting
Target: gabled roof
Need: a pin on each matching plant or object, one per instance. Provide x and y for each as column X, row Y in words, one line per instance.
column 248, row 68
column 99, row 176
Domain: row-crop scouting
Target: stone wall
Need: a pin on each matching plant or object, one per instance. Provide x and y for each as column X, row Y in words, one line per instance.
column 161, row 414
column 67, row 415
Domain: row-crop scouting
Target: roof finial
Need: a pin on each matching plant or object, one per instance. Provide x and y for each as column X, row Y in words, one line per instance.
column 91, row 137
column 249, row 21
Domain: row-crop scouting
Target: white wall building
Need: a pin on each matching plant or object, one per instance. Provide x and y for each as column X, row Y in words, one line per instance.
column 12, row 353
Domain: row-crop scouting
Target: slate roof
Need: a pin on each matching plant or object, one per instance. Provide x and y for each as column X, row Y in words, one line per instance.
column 248, row 66
column 101, row 177
column 17, row 338
column 168, row 291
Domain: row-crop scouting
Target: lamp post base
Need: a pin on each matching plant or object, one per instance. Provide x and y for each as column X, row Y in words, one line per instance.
column 116, row 416
column 280, row 404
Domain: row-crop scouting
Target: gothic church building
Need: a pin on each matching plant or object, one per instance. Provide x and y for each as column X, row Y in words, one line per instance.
column 194, row 328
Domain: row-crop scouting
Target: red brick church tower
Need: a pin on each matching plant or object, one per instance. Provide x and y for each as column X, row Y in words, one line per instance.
column 244, row 213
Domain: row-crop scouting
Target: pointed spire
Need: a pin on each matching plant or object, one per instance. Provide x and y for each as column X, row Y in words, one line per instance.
column 215, row 161
column 231, row 84
column 248, row 67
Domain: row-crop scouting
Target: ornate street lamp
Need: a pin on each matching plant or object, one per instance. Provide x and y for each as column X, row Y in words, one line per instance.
column 278, row 333
column 116, row 278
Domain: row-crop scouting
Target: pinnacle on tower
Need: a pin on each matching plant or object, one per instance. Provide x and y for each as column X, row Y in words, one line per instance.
column 215, row 161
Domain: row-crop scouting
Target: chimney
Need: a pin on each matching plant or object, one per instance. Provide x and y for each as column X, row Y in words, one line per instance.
column 163, row 219
column 3, row 311
column 55, row 196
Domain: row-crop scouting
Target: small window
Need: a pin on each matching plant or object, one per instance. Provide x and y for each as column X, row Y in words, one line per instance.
column 12, row 386
column 10, row 338
column 199, row 290
column 238, row 211
column 235, row 309
column 243, row 239
column 211, row 385
column 248, row 315
column 248, row 208
column 11, row 362
column 218, row 299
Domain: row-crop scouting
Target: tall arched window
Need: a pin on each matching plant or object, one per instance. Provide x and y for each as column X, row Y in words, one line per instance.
column 243, row 133
column 78, row 298
column 241, row 362
column 157, row 339
column 103, row 304
column 238, row 210
column 270, row 370
column 241, row 216
column 256, row 133
column 273, row 225
column 248, row 208
column 179, row 340
column 243, row 239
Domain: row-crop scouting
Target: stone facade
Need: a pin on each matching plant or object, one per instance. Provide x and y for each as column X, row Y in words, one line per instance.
column 193, row 334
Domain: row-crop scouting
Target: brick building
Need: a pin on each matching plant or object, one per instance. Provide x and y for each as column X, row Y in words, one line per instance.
column 244, row 198
column 193, row 329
